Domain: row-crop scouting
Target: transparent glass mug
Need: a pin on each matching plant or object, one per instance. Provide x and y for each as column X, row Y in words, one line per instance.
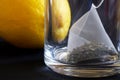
column 84, row 51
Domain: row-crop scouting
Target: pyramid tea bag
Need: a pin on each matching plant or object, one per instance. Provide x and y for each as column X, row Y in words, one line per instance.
column 76, row 43
column 88, row 41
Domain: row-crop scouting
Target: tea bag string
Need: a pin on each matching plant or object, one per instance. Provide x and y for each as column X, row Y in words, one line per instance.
column 99, row 4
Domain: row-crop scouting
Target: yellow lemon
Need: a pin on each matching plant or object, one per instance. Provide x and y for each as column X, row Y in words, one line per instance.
column 22, row 22
column 61, row 18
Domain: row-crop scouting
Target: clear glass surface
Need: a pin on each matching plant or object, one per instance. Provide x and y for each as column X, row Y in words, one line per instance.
column 60, row 15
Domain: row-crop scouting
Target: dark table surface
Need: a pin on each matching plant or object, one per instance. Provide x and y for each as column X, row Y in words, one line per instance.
column 28, row 64
column 36, row 70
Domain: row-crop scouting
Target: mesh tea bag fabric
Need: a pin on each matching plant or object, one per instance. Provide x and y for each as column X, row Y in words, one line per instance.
column 88, row 40
column 88, row 29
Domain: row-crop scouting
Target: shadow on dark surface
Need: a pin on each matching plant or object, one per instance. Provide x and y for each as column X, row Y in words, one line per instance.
column 20, row 71
column 36, row 70
column 11, row 54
